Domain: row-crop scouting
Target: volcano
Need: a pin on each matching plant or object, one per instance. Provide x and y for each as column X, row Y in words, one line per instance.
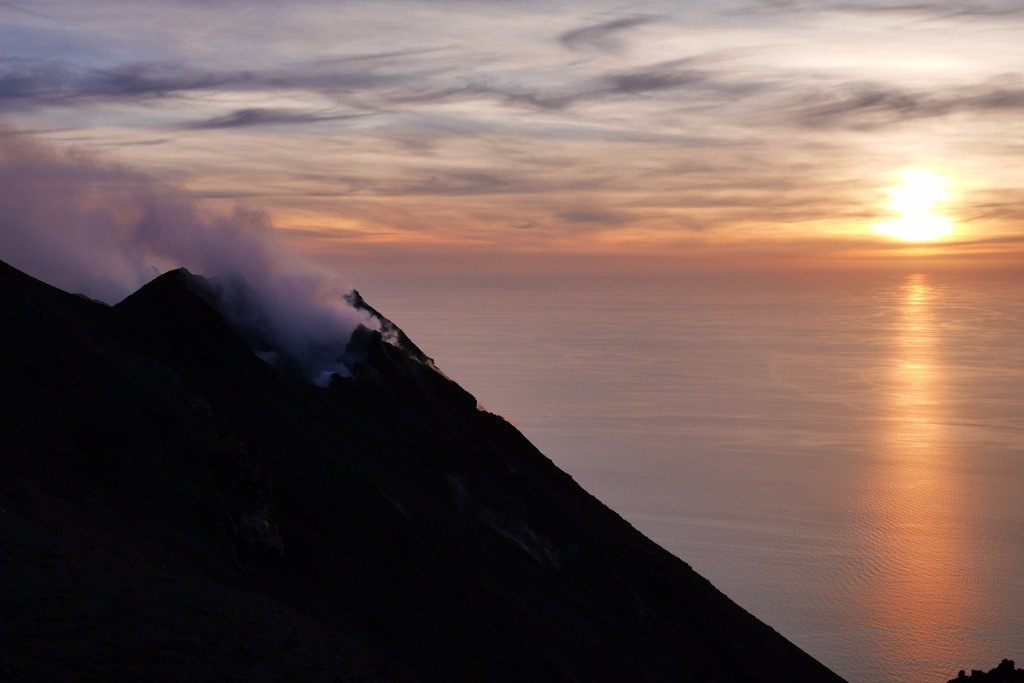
column 172, row 507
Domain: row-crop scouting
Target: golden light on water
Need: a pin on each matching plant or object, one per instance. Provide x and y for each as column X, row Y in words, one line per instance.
column 915, row 494
column 918, row 200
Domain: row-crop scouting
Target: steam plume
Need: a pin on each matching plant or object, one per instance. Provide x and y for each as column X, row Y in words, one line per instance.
column 104, row 230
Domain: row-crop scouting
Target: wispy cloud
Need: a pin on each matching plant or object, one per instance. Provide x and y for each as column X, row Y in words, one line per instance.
column 51, row 83
column 603, row 36
column 593, row 216
column 932, row 10
column 667, row 76
column 873, row 106
column 245, row 118
column 936, row 9
column 33, row 83
column 674, row 75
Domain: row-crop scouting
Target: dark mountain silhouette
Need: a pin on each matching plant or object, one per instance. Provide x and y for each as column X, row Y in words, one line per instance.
column 172, row 507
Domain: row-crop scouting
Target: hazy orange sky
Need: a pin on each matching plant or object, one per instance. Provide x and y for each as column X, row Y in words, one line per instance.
column 754, row 129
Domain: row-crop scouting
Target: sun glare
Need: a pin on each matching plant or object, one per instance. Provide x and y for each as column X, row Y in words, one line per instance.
column 917, row 200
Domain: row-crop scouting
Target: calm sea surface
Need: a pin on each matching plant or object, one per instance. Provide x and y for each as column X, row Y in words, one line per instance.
column 843, row 455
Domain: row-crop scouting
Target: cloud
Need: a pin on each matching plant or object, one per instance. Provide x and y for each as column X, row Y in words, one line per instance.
column 603, row 36
column 935, row 9
column 30, row 83
column 244, row 118
column 467, row 183
column 512, row 96
column 866, row 106
column 100, row 229
column 653, row 78
column 152, row 80
column 592, row 216
column 925, row 10
column 658, row 77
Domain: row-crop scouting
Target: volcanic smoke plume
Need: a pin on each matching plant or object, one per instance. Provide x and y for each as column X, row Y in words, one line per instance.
column 103, row 230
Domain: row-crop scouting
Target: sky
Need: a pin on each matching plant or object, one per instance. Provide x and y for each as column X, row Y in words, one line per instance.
column 399, row 131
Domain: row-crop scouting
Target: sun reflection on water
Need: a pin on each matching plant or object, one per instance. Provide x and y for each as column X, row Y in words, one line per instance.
column 918, row 595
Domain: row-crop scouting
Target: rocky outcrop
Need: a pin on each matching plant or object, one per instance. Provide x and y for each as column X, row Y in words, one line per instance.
column 1006, row 672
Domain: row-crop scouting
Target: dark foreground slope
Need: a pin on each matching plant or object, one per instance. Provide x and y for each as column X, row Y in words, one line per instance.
column 172, row 507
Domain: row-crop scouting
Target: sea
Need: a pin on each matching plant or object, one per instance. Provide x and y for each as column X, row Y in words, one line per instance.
column 841, row 452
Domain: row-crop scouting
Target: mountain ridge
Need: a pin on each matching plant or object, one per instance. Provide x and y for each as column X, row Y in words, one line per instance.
column 426, row 538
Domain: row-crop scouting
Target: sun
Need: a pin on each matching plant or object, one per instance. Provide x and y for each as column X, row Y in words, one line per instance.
column 918, row 200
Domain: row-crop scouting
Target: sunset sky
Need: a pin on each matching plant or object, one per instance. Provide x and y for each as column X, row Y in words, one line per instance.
column 752, row 129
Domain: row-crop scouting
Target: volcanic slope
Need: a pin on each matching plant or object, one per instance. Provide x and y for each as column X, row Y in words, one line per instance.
column 172, row 507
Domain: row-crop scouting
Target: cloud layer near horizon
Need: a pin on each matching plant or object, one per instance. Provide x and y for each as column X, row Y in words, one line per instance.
column 530, row 126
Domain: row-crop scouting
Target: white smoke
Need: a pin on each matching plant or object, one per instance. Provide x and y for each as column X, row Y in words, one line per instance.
column 103, row 230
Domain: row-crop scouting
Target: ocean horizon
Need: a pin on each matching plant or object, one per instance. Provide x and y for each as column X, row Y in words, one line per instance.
column 839, row 452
